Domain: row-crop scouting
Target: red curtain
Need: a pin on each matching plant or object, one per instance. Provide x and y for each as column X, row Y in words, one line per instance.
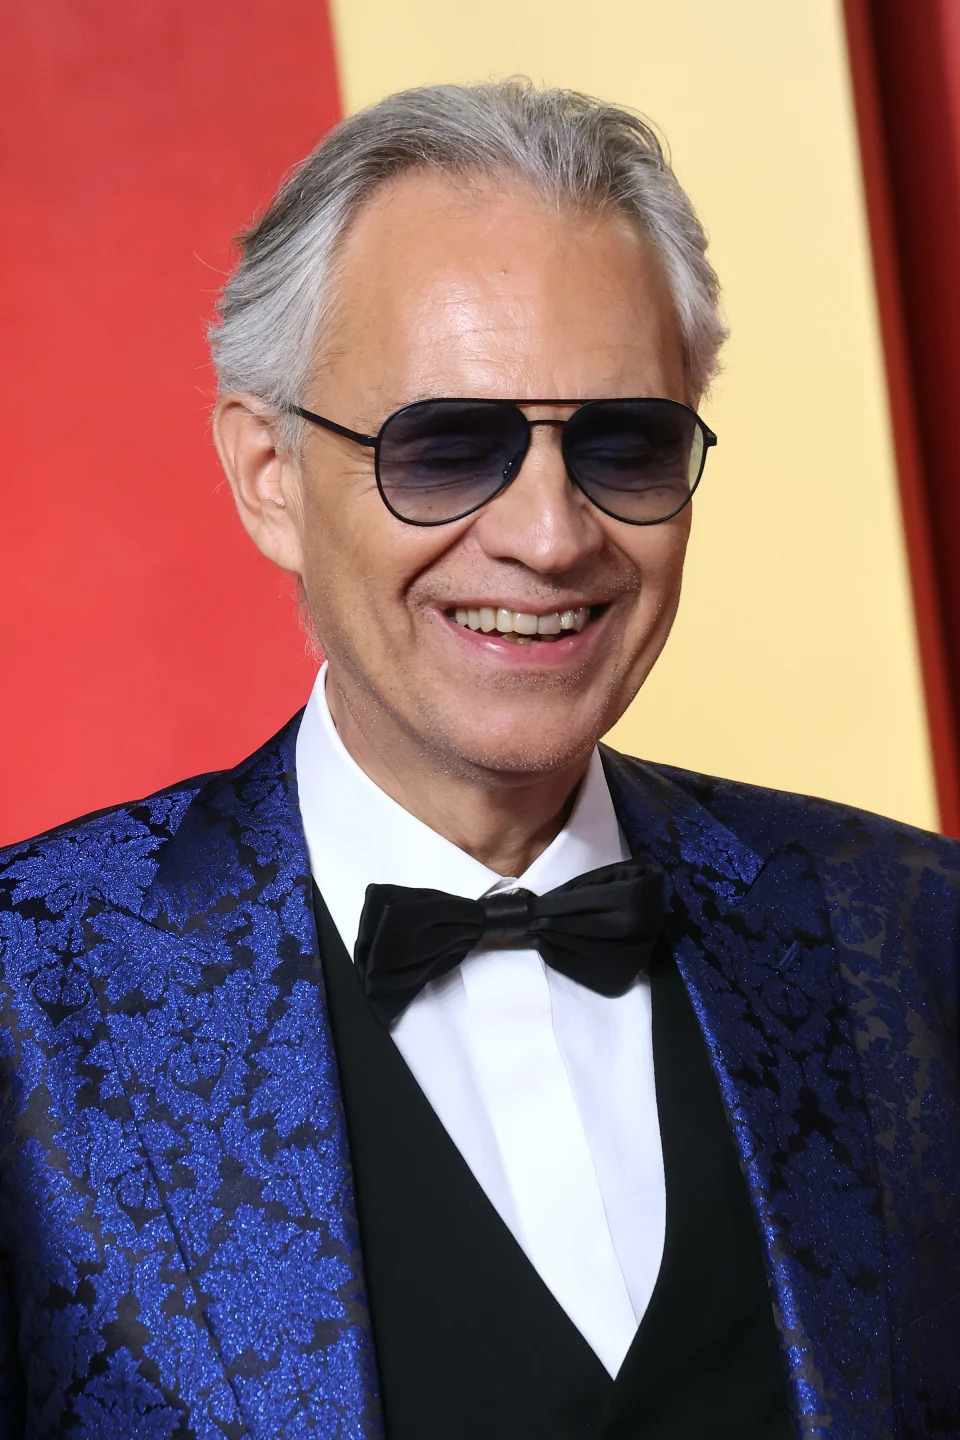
column 905, row 61
column 143, row 639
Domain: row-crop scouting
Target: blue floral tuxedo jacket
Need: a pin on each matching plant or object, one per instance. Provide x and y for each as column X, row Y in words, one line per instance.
column 180, row 1252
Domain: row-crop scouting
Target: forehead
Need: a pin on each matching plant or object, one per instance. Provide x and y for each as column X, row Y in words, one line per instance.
column 482, row 287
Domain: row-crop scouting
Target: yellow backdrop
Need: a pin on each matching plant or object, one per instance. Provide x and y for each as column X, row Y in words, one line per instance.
column 794, row 661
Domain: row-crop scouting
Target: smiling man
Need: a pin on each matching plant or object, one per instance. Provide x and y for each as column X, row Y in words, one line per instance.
column 437, row 1072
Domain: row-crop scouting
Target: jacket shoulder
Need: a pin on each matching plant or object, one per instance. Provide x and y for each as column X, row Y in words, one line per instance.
column 110, row 854
column 767, row 819
column 111, row 857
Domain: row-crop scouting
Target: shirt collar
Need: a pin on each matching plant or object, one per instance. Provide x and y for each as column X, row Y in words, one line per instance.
column 358, row 836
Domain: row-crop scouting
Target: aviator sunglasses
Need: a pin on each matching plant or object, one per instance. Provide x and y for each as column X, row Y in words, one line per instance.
column 439, row 460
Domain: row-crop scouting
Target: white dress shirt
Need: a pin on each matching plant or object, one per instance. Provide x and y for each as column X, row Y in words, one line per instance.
column 545, row 1087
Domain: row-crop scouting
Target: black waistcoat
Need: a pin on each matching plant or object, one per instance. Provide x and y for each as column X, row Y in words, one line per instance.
column 470, row 1343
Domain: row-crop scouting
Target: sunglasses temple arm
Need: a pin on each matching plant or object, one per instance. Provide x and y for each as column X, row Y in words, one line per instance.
column 355, row 435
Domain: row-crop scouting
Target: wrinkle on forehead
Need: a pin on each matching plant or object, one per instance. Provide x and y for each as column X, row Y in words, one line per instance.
column 491, row 291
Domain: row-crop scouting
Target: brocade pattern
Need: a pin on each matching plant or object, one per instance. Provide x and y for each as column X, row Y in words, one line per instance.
column 179, row 1246
column 176, row 1200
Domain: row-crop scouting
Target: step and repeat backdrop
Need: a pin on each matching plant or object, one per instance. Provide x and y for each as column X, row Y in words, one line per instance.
column 143, row 639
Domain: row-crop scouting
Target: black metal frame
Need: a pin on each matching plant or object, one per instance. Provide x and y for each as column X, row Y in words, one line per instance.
column 373, row 442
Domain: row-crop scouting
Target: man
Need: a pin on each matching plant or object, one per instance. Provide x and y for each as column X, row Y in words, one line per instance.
column 435, row 1073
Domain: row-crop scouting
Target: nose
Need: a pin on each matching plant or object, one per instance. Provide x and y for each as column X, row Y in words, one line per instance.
column 541, row 520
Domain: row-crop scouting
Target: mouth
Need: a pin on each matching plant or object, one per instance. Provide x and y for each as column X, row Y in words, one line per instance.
column 522, row 627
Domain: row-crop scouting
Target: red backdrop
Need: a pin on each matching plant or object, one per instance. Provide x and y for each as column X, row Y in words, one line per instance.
column 143, row 639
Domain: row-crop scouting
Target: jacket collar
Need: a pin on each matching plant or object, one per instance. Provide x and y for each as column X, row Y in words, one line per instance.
column 752, row 938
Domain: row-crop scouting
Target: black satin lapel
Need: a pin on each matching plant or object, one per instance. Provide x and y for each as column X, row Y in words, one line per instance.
column 214, row 1006
column 753, row 941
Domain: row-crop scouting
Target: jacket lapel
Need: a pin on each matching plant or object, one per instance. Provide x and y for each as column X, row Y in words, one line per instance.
column 213, row 1000
column 752, row 940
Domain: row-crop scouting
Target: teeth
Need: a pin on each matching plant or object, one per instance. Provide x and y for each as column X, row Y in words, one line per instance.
column 473, row 619
column 519, row 625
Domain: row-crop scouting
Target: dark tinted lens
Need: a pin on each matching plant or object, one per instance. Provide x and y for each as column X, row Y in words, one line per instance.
column 440, row 459
column 638, row 460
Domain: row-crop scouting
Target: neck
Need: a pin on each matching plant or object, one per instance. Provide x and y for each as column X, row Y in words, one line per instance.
column 504, row 821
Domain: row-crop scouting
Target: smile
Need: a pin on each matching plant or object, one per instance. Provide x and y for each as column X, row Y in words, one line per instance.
column 522, row 627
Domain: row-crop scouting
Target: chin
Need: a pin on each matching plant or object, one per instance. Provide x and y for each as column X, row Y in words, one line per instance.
column 526, row 745
column 522, row 762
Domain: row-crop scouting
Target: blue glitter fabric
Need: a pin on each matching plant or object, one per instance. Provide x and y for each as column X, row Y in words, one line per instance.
column 820, row 947
column 176, row 1204
column 179, row 1246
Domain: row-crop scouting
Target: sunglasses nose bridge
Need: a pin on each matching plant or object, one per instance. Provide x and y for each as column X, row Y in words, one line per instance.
column 551, row 423
column 554, row 450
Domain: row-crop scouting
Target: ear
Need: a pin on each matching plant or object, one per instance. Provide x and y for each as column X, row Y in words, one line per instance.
column 265, row 483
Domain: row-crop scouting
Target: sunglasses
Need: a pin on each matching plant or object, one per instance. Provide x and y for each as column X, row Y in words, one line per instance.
column 439, row 460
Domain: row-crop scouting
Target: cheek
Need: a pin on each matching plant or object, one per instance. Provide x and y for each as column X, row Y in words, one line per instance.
column 335, row 562
column 360, row 564
column 667, row 566
column 657, row 555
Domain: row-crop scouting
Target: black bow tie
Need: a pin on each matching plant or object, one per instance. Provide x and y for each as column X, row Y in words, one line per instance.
column 598, row 929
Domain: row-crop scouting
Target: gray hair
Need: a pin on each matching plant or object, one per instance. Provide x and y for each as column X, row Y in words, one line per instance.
column 568, row 146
